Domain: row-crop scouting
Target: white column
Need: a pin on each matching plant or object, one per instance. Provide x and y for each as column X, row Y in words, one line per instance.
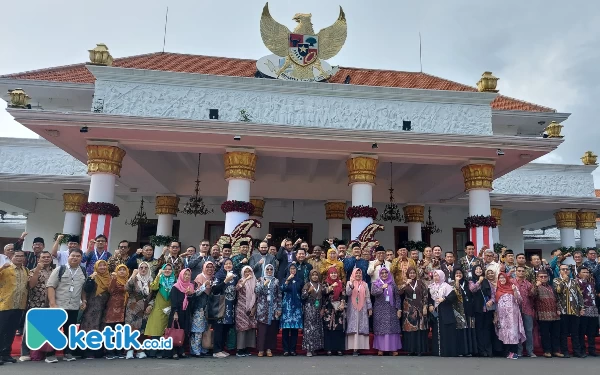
column 478, row 177
column 566, row 222
column 166, row 209
column 414, row 231
column 479, row 202
column 567, row 237
column 362, row 195
column 414, row 217
column 72, row 201
column 102, row 188
column 240, row 166
column 335, row 211
column 496, row 234
column 588, row 238
column 335, row 228
column 497, row 214
column 362, row 171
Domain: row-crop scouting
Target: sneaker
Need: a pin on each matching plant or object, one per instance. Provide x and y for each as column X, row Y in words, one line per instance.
column 141, row 355
column 129, row 354
column 219, row 355
column 69, row 358
column 309, row 354
column 51, row 359
column 120, row 356
column 225, row 353
column 240, row 354
column 509, row 356
column 531, row 355
column 24, row 358
column 110, row 357
column 515, row 356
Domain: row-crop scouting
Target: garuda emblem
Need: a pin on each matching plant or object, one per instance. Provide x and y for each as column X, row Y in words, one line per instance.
column 303, row 49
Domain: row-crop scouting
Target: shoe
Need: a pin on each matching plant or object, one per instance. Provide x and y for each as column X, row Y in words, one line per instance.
column 121, row 355
column 293, row 354
column 355, row 353
column 395, row 354
column 532, row 355
column 567, row 355
column 9, row 360
column 559, row 355
column 269, row 353
column 225, row 353
column 51, row 359
column 129, row 354
column 515, row 356
column 547, row 355
column 509, row 356
column 24, row 358
column 238, row 354
column 110, row 357
column 158, row 357
column 69, row 358
column 141, row 355
column 379, row 353
column 580, row 355
column 329, row 353
column 260, row 354
column 309, row 354
column 340, row 354
column 219, row 355
column 593, row 354
column 285, row 354
column 175, row 357
column 248, row 354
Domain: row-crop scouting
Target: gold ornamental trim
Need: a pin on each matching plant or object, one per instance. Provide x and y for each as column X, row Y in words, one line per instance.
column 589, row 158
column 487, row 82
column 105, row 159
column 553, row 130
column 335, row 210
column 18, row 98
column 100, row 55
column 72, row 201
column 497, row 214
column 414, row 214
column 478, row 176
column 566, row 219
column 259, row 207
column 586, row 220
column 240, row 164
column 166, row 205
column 362, row 169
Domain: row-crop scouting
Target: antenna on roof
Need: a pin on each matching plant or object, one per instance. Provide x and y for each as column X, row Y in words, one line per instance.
column 165, row 35
column 420, row 53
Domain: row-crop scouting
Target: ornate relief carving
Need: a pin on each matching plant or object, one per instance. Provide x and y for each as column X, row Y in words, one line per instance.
column 586, row 220
column 566, row 219
column 302, row 110
column 335, row 210
column 478, row 176
column 36, row 160
column 362, row 169
column 72, row 201
column 239, row 164
column 414, row 214
column 549, row 183
column 105, row 159
column 166, row 205
column 497, row 214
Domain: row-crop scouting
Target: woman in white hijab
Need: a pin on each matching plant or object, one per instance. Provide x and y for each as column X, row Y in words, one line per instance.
column 245, row 312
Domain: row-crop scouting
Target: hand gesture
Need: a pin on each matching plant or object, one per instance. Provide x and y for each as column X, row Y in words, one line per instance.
column 480, row 279
column 310, row 288
column 330, row 241
column 93, row 275
column 161, row 271
column 538, row 283
column 60, row 237
column 489, row 303
column 165, row 249
column 514, row 287
column 39, row 266
column 244, row 261
column 290, row 277
column 23, row 235
column 138, row 251
column 399, row 314
column 207, row 284
column 91, row 244
column 261, row 261
column 229, row 277
column 268, row 237
column 248, row 278
column 384, row 286
column 113, row 275
column 298, row 241
column 148, row 310
column 135, row 272
column 334, row 284
column 189, row 290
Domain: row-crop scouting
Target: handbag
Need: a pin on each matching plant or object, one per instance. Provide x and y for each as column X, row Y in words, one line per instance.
column 215, row 307
column 177, row 334
column 207, row 339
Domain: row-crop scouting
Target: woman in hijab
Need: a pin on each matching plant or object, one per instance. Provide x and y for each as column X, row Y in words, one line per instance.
column 159, row 317
column 334, row 316
column 268, row 310
column 291, row 306
column 199, row 324
column 482, row 294
column 441, row 298
column 138, row 305
column 245, row 312
column 115, row 308
column 508, row 321
column 182, row 294
column 96, row 288
column 463, row 311
column 414, row 310
column 225, row 283
column 312, row 333
column 387, row 311
column 358, row 312
column 332, row 261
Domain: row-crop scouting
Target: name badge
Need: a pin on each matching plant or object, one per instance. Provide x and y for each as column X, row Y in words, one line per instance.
column 571, row 298
column 71, row 288
column 268, row 298
column 470, row 275
column 449, row 279
column 414, row 295
column 387, row 298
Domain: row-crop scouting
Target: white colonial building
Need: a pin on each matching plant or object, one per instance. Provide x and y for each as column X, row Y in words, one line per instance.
column 302, row 152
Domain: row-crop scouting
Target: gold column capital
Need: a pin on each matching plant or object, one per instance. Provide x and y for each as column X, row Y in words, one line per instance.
column 240, row 164
column 566, row 219
column 497, row 214
column 478, row 176
column 586, row 219
column 259, row 207
column 414, row 213
column 105, row 159
column 166, row 205
column 100, row 55
column 362, row 169
column 72, row 201
column 335, row 210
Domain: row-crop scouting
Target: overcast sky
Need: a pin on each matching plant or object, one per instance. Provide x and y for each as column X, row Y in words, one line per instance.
column 543, row 51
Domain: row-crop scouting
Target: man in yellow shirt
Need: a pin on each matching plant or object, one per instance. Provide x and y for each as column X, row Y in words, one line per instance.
column 400, row 265
column 13, row 300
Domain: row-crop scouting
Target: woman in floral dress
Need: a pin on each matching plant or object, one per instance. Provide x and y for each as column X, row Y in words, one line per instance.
column 334, row 316
column 358, row 312
column 508, row 321
column 312, row 333
column 138, row 305
column 199, row 322
column 245, row 312
column 291, row 306
column 463, row 312
column 414, row 311
column 96, row 289
column 387, row 311
column 115, row 308
column 268, row 310
column 225, row 283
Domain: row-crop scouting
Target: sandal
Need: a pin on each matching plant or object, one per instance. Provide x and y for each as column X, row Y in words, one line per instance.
column 260, row 354
column 269, row 354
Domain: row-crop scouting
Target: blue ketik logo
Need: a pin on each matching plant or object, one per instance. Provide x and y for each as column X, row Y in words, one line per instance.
column 43, row 325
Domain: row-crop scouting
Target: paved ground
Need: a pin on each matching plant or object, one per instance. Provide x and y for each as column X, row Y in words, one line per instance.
column 364, row 365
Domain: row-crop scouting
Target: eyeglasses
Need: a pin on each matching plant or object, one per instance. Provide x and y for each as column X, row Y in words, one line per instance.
column 204, row 244
column 123, row 247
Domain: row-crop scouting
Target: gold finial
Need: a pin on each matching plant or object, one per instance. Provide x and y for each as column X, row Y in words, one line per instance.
column 553, row 130
column 487, row 82
column 589, row 158
column 18, row 98
column 100, row 55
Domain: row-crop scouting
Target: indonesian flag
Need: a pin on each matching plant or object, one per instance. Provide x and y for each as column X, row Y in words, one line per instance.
column 481, row 236
column 95, row 225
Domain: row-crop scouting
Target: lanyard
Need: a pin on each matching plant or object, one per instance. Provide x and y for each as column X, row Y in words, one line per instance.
column 317, row 288
column 73, row 274
column 99, row 257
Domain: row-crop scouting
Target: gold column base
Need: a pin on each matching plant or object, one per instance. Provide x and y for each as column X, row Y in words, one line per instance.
column 586, row 220
column 259, row 207
column 335, row 210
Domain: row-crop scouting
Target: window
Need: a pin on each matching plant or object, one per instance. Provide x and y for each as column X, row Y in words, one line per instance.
column 213, row 230
column 279, row 231
column 460, row 237
column 346, row 233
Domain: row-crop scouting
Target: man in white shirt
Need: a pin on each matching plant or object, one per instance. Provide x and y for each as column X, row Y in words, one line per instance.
column 375, row 265
column 62, row 256
column 9, row 251
column 491, row 264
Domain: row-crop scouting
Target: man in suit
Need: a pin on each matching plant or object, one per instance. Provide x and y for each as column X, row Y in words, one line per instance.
column 196, row 261
column 448, row 266
column 260, row 259
column 285, row 256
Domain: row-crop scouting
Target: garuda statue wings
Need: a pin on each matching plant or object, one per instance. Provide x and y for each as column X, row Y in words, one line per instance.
column 302, row 48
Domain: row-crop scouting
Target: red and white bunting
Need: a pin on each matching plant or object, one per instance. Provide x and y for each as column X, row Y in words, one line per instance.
column 481, row 236
column 95, row 225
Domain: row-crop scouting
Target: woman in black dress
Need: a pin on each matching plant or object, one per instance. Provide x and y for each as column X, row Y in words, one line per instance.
column 182, row 295
column 443, row 327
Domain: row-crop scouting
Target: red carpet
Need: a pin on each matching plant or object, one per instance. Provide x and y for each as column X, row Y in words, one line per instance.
column 16, row 347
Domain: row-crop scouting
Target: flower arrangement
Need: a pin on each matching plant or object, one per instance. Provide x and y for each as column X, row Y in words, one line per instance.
column 66, row 238
column 498, row 247
column 361, row 211
column 476, row 221
column 419, row 245
column 571, row 249
column 100, row 208
column 237, row 206
column 160, row 240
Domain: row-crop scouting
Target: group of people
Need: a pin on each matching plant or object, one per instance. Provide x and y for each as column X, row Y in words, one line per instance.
column 419, row 303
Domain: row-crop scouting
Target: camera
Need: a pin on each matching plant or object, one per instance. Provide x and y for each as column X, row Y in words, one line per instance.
column 237, row 137
column 499, row 152
column 84, row 129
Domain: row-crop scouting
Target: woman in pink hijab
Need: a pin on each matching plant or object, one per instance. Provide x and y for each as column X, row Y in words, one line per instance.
column 359, row 311
column 441, row 297
column 181, row 295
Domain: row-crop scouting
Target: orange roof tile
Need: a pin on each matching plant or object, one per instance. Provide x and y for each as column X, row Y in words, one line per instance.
column 226, row 66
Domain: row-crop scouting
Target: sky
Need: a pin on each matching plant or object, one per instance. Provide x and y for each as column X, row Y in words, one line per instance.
column 544, row 51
